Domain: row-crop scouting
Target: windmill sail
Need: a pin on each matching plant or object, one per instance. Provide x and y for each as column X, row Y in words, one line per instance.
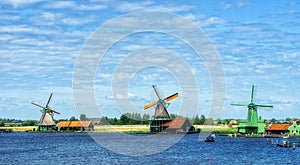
column 161, row 104
column 46, row 122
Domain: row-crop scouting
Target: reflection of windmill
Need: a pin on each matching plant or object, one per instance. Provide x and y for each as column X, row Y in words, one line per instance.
column 252, row 124
column 46, row 122
column 161, row 114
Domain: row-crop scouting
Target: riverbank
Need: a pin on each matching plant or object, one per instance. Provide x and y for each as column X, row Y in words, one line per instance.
column 129, row 128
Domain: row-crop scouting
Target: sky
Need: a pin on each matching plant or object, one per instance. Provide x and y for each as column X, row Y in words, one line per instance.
column 256, row 42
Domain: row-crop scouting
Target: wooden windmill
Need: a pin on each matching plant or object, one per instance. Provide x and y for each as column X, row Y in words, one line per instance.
column 252, row 124
column 46, row 123
column 161, row 114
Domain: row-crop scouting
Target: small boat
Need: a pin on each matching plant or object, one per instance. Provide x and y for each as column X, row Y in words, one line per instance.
column 286, row 137
column 210, row 138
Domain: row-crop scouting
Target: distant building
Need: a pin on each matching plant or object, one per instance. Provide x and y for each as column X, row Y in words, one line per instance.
column 233, row 122
column 75, row 125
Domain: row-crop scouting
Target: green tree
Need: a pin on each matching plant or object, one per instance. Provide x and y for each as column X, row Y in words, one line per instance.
column 209, row 121
column 124, row 119
column 73, row 118
column 202, row 119
column 2, row 124
column 196, row 119
column 104, row 120
column 29, row 123
column 145, row 119
column 173, row 116
column 83, row 117
column 219, row 121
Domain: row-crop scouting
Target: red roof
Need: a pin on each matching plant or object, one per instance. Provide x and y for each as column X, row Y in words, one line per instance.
column 63, row 124
column 279, row 127
column 177, row 123
column 80, row 123
column 74, row 124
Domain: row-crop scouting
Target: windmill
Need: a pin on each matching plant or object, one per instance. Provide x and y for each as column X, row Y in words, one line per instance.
column 252, row 124
column 46, row 122
column 161, row 114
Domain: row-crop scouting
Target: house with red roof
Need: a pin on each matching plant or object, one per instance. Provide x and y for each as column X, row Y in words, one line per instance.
column 178, row 125
column 75, row 125
column 278, row 128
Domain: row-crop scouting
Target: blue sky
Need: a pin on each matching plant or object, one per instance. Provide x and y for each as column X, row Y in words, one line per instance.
column 258, row 43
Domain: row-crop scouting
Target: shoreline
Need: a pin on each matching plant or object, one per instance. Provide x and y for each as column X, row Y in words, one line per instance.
column 124, row 128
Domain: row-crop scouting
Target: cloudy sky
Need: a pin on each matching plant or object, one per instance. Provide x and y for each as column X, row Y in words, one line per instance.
column 257, row 42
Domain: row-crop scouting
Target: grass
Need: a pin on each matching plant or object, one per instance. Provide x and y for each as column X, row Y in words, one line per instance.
column 122, row 128
column 20, row 128
column 217, row 129
column 134, row 128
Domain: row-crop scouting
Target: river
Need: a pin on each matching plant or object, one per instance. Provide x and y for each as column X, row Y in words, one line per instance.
column 81, row 148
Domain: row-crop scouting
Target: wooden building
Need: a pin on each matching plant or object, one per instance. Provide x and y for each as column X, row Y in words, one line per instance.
column 179, row 125
column 75, row 126
column 278, row 128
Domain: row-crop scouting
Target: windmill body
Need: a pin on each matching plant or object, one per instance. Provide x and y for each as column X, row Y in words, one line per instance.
column 252, row 125
column 161, row 115
column 46, row 122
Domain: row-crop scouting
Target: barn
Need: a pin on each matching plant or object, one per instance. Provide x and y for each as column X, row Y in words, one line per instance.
column 278, row 128
column 179, row 125
column 75, row 126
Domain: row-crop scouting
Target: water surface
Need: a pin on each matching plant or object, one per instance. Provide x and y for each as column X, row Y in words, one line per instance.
column 80, row 148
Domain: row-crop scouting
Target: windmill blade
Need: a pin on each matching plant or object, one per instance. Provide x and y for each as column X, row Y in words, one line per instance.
column 239, row 104
column 171, row 97
column 265, row 106
column 252, row 94
column 54, row 111
column 37, row 105
column 155, row 90
column 150, row 105
column 49, row 100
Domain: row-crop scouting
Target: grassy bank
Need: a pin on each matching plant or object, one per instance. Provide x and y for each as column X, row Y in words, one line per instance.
column 217, row 129
column 121, row 128
column 133, row 128
column 20, row 128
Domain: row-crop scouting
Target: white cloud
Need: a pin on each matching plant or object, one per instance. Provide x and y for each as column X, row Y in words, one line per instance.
column 24, row 3
column 147, row 5
column 60, row 4
column 78, row 21
column 91, row 7
column 74, row 6
column 204, row 21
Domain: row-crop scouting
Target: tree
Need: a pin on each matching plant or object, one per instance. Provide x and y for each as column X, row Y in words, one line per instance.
column 209, row 121
column 29, row 123
column 83, row 117
column 146, row 118
column 219, row 121
column 173, row 116
column 1, row 124
column 124, row 120
column 73, row 118
column 104, row 120
column 202, row 119
column 196, row 119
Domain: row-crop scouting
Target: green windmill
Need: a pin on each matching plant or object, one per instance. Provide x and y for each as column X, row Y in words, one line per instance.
column 252, row 124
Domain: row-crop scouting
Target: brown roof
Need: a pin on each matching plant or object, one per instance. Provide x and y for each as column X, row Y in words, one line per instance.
column 177, row 123
column 63, row 124
column 279, row 127
column 80, row 123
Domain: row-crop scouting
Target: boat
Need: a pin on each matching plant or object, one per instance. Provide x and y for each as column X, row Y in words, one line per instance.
column 210, row 138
